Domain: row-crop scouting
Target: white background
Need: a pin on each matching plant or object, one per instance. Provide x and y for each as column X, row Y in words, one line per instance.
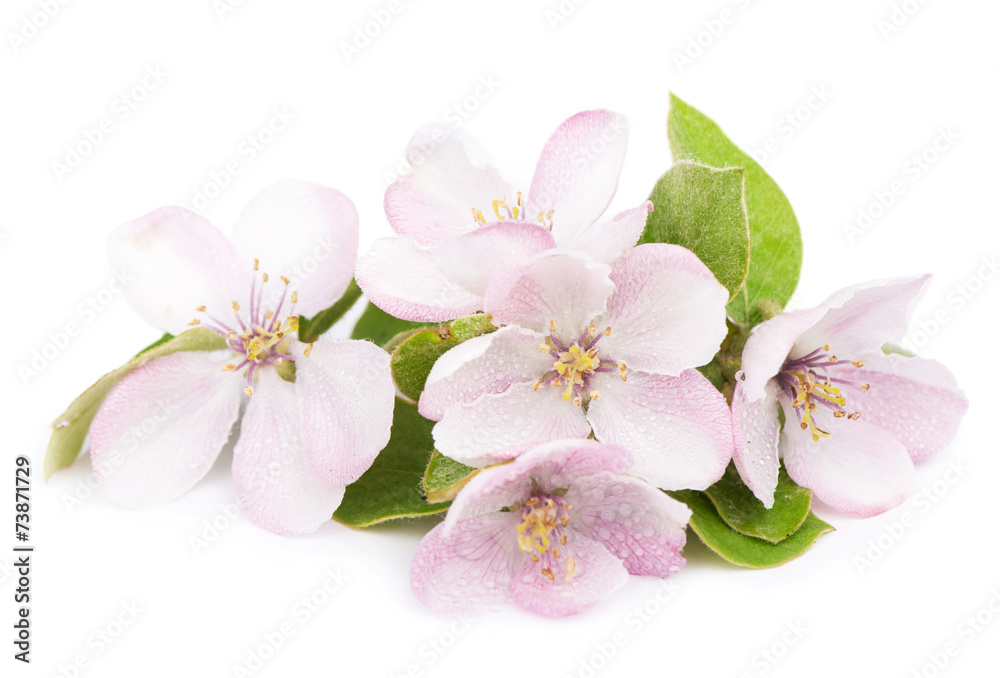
column 889, row 94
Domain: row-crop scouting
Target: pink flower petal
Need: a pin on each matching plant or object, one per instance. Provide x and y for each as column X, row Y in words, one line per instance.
column 276, row 485
column 161, row 428
column 450, row 175
column 915, row 399
column 607, row 239
column 768, row 348
column 410, row 282
column 469, row 432
column 577, row 173
column 756, row 428
column 486, row 364
column 668, row 312
column 347, row 396
column 566, row 287
column 861, row 470
column 306, row 232
column 638, row 523
column 679, row 429
column 597, row 575
column 470, row 568
column 172, row 261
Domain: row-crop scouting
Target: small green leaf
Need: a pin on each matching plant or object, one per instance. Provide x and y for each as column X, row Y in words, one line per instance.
column 701, row 208
column 775, row 240
column 740, row 549
column 444, row 477
column 890, row 349
column 159, row 342
column 379, row 327
column 70, row 429
column 415, row 356
column 310, row 329
column 743, row 512
column 393, row 487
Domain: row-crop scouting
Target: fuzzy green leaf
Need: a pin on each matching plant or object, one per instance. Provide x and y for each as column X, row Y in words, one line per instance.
column 743, row 512
column 701, row 208
column 70, row 429
column 310, row 329
column 379, row 327
column 415, row 356
column 775, row 240
column 393, row 487
column 444, row 477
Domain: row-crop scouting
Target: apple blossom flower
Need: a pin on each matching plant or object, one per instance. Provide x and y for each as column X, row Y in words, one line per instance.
column 459, row 224
column 555, row 530
column 856, row 418
column 587, row 347
column 300, row 442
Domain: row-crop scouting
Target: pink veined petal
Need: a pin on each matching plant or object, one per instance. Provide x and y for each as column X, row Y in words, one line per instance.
column 473, row 260
column 486, row 364
column 409, row 282
column 470, row 568
column 552, row 466
column 306, row 232
column 469, row 432
column 607, row 239
column 679, row 429
column 769, row 345
column 347, row 397
column 450, row 175
column 668, row 312
column 860, row 470
column 864, row 317
column 597, row 575
column 566, row 287
column 161, row 428
column 915, row 399
column 756, row 429
column 172, row 261
column 577, row 173
column 276, row 486
column 636, row 522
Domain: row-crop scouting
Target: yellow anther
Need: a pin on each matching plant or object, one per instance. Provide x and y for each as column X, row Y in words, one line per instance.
column 858, row 363
column 248, row 390
column 256, row 264
column 547, row 572
column 497, row 204
column 544, row 348
column 537, row 385
column 200, row 309
column 229, row 368
column 595, row 395
column 264, row 277
column 570, row 568
column 308, row 350
column 623, row 370
column 295, row 297
column 552, row 325
column 194, row 322
column 236, row 305
column 478, row 216
column 285, row 280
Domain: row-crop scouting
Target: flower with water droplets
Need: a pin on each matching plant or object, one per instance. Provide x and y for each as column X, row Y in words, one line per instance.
column 459, row 224
column 586, row 347
column 315, row 415
column 555, row 530
column 855, row 417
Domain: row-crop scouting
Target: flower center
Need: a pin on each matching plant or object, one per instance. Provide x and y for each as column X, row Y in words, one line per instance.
column 817, row 380
column 259, row 336
column 504, row 211
column 575, row 365
column 542, row 532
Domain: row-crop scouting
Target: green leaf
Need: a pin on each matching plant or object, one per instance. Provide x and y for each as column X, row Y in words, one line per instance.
column 70, row 429
column 379, row 327
column 890, row 349
column 746, row 514
column 393, row 487
column 701, row 208
column 310, row 329
column 775, row 240
column 740, row 549
column 415, row 356
column 444, row 477
column 159, row 342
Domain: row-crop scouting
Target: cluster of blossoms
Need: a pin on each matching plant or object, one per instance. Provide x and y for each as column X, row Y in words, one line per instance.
column 580, row 410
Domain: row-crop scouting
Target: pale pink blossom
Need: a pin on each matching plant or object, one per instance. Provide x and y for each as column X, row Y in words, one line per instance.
column 556, row 530
column 591, row 348
column 856, row 418
column 300, row 443
column 459, row 224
